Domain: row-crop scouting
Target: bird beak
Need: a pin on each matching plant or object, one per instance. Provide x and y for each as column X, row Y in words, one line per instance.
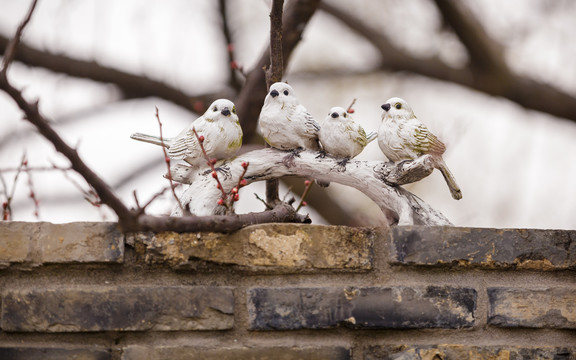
column 225, row 112
column 274, row 93
column 334, row 115
column 386, row 107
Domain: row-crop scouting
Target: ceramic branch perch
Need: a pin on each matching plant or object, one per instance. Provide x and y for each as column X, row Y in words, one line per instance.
column 378, row 180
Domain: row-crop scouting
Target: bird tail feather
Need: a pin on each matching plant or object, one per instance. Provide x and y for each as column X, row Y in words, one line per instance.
column 450, row 181
column 150, row 139
column 371, row 137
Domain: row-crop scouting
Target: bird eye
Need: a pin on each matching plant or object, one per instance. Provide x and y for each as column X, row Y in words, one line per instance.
column 285, row 92
column 398, row 106
column 344, row 114
column 215, row 108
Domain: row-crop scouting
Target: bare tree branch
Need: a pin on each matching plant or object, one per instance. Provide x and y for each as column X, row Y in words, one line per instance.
column 132, row 86
column 233, row 80
column 489, row 74
column 273, row 75
column 220, row 223
column 251, row 98
column 13, row 44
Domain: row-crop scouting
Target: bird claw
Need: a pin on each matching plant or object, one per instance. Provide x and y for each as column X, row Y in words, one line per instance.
column 321, row 154
column 342, row 164
column 289, row 159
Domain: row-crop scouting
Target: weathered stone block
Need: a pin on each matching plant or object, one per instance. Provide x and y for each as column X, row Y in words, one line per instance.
column 244, row 353
column 80, row 242
column 449, row 352
column 286, row 247
column 372, row 308
column 118, row 309
column 546, row 308
column 37, row 353
column 15, row 241
column 484, row 248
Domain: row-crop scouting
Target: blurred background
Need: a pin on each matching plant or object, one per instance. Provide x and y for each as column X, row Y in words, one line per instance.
column 494, row 80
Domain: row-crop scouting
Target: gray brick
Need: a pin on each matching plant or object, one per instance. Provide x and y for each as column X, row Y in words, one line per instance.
column 372, row 308
column 118, row 309
column 484, row 248
column 83, row 242
column 39, row 353
column 546, row 308
column 427, row 352
column 244, row 353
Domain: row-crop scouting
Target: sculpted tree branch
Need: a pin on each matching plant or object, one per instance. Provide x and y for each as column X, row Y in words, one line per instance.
column 378, row 180
column 488, row 71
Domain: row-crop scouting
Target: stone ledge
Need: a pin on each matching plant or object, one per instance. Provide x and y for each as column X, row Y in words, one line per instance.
column 483, row 248
column 544, row 308
column 279, row 247
column 118, row 309
column 368, row 308
column 244, row 353
column 45, row 243
column 449, row 352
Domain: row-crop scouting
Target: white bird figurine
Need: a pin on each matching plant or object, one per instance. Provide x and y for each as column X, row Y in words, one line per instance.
column 341, row 136
column 221, row 131
column 284, row 123
column 402, row 136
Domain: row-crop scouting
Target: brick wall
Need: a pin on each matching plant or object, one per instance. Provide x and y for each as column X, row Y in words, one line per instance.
column 85, row 291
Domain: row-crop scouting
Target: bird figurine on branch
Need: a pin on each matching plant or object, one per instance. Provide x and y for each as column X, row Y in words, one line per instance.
column 218, row 126
column 402, row 136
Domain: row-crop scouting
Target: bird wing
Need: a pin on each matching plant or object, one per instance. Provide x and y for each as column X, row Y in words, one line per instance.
column 358, row 135
column 424, row 142
column 185, row 144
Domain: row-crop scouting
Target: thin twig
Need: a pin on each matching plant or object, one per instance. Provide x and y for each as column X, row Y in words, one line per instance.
column 13, row 44
column 142, row 209
column 167, row 161
column 234, row 67
column 211, row 162
column 308, row 184
column 32, row 194
column 350, row 110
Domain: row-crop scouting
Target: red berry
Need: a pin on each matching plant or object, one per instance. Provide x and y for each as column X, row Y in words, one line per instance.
column 167, row 159
column 220, row 201
column 5, row 204
column 350, row 111
column 201, row 138
column 218, row 186
column 198, row 106
column 307, row 182
column 25, row 163
column 234, row 190
column 234, row 64
column 243, row 182
column 245, row 164
column 213, row 161
column 236, row 197
column 214, row 174
column 304, row 203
